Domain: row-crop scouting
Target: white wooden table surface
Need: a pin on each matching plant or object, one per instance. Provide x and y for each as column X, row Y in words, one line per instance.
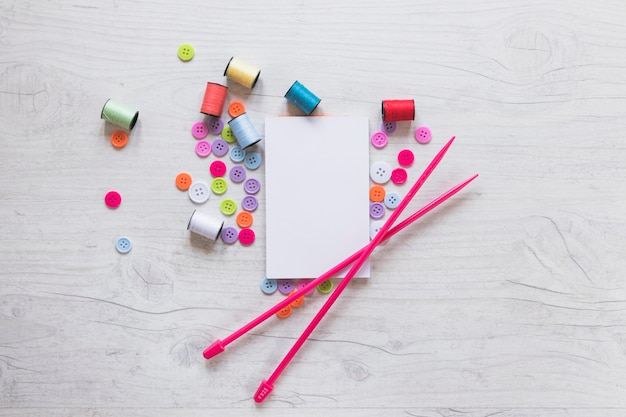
column 509, row 300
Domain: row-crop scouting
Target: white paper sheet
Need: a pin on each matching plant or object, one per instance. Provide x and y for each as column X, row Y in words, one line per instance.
column 316, row 188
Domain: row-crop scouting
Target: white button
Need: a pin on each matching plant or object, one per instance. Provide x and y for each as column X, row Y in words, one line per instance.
column 375, row 228
column 199, row 192
column 380, row 172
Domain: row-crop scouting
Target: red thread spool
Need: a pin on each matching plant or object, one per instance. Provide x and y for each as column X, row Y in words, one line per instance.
column 214, row 99
column 396, row 110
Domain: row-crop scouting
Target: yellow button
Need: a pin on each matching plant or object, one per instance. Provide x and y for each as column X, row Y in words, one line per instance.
column 185, row 52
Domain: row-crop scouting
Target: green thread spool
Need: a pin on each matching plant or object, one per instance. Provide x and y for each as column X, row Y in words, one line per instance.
column 119, row 115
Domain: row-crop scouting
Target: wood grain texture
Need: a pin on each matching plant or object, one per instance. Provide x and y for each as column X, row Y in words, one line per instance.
column 510, row 300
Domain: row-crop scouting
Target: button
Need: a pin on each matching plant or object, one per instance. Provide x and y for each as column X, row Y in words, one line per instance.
column 303, row 283
column 399, row 176
column 220, row 147
column 392, row 200
column 285, row 312
column 183, row 181
column 252, row 186
column 215, row 125
column 113, row 199
column 269, row 286
column 228, row 135
column 380, row 172
column 375, row 228
column 237, row 174
column 249, row 203
column 298, row 301
column 285, row 286
column 123, row 244
column 326, row 286
column 377, row 210
column 246, row 236
column 423, row 134
column 236, row 108
column 203, row 148
column 119, row 139
column 228, row 207
column 185, row 52
column 244, row 219
column 199, row 130
column 229, row 235
column 377, row 193
column 388, row 127
column 219, row 186
column 252, row 160
column 379, row 140
column 217, row 169
column 199, row 192
column 237, row 154
column 406, row 157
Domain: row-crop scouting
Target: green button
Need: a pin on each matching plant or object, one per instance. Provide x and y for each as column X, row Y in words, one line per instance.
column 185, row 52
column 219, row 185
column 228, row 207
column 325, row 287
column 227, row 134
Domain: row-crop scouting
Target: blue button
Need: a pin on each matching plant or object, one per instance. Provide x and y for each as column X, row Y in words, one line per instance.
column 252, row 160
column 237, row 153
column 269, row 286
column 123, row 245
column 392, row 200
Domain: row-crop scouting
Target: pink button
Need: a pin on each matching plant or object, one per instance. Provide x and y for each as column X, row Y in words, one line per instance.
column 203, row 148
column 246, row 236
column 406, row 157
column 217, row 169
column 379, row 140
column 199, row 130
column 113, row 199
column 399, row 176
column 423, row 134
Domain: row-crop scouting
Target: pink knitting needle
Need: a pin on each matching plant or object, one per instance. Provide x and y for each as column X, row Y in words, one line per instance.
column 267, row 386
column 219, row 345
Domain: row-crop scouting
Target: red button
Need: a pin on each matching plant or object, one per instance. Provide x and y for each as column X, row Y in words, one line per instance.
column 399, row 176
column 406, row 158
column 113, row 199
column 246, row 236
column 217, row 169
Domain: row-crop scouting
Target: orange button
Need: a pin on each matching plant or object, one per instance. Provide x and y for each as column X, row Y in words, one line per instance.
column 244, row 219
column 119, row 139
column 236, row 108
column 298, row 301
column 183, row 181
column 285, row 312
column 377, row 193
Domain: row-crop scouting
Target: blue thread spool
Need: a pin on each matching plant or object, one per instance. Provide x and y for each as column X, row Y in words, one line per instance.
column 244, row 131
column 302, row 97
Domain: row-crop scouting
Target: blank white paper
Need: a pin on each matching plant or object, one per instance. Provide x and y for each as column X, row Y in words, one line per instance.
column 317, row 194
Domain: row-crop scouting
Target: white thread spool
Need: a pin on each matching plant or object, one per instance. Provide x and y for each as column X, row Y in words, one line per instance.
column 205, row 225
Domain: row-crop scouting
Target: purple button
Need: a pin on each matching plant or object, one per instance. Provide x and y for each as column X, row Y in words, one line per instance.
column 285, row 286
column 377, row 210
column 215, row 125
column 237, row 174
column 199, row 130
column 229, row 235
column 379, row 140
column 251, row 186
column 203, row 148
column 249, row 203
column 388, row 127
column 220, row 147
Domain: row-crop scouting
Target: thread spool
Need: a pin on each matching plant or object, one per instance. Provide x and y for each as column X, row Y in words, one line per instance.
column 244, row 131
column 205, row 225
column 119, row 114
column 302, row 97
column 397, row 110
column 214, row 99
column 242, row 72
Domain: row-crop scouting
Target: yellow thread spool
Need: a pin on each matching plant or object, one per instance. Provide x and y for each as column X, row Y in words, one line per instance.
column 242, row 72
